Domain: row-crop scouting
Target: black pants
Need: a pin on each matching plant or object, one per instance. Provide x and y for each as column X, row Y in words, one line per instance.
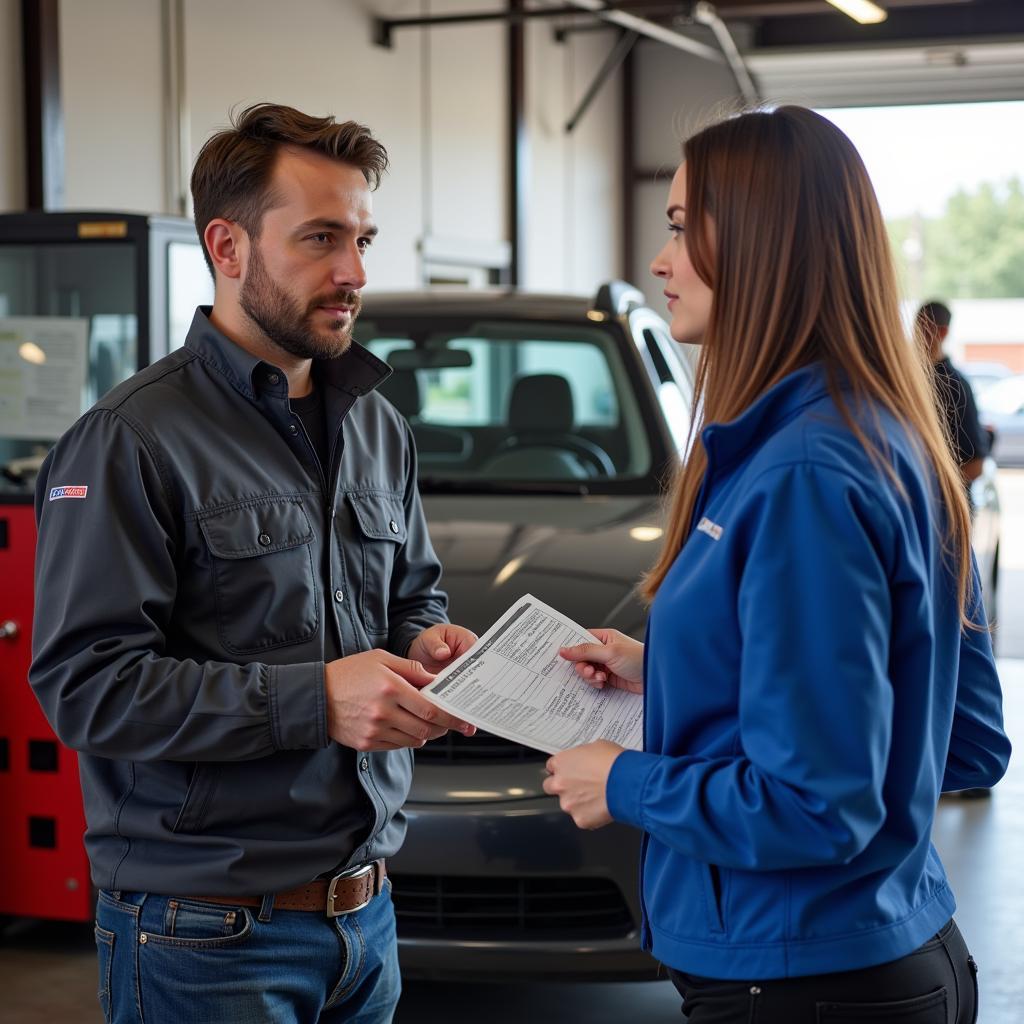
column 936, row 984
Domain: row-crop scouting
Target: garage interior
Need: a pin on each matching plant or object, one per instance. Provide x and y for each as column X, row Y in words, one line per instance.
column 531, row 147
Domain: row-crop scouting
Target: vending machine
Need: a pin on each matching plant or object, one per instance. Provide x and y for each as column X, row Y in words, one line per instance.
column 86, row 299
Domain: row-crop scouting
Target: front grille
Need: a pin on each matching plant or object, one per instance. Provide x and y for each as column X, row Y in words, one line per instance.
column 452, row 907
column 483, row 748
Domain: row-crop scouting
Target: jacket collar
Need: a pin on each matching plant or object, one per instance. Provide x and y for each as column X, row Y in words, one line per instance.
column 725, row 443
column 357, row 372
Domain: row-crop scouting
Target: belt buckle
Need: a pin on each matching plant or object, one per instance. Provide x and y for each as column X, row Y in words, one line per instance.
column 358, row 872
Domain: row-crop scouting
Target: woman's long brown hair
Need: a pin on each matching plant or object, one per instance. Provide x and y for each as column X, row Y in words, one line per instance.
column 783, row 226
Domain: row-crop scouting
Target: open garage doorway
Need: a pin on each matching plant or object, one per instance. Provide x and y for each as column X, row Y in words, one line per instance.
column 950, row 181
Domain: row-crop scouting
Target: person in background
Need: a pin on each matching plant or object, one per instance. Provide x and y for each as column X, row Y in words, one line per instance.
column 953, row 392
column 816, row 668
column 958, row 410
column 236, row 606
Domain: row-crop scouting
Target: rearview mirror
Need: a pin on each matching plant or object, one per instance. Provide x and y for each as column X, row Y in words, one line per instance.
column 429, row 358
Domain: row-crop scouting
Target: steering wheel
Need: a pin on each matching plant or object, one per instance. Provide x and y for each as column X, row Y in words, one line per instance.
column 595, row 458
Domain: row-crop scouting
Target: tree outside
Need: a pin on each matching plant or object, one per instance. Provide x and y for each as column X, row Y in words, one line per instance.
column 974, row 249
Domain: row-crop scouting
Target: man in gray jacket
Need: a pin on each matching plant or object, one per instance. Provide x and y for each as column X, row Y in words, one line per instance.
column 236, row 603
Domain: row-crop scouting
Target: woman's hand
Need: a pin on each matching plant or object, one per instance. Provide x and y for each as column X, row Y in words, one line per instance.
column 578, row 777
column 617, row 661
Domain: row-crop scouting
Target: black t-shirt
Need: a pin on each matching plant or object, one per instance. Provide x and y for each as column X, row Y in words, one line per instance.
column 310, row 409
column 956, row 403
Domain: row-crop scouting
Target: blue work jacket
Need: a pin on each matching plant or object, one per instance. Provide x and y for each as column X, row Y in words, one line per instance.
column 809, row 693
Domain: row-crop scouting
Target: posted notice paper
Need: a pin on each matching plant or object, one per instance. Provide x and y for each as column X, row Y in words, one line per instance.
column 513, row 683
column 43, row 364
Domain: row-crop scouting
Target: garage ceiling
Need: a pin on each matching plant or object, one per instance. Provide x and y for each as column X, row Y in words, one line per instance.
column 766, row 24
column 926, row 51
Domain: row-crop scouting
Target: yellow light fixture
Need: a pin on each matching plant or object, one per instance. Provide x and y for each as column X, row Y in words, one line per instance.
column 645, row 532
column 32, row 353
column 862, row 11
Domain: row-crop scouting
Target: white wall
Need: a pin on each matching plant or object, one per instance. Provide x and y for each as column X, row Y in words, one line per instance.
column 437, row 100
column 466, row 152
column 111, row 92
column 575, row 185
column 676, row 95
column 12, row 150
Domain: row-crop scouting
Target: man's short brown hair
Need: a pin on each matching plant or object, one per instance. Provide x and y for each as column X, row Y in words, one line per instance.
column 231, row 177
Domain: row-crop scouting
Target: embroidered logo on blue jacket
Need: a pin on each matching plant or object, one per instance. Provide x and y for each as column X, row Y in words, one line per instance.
column 713, row 530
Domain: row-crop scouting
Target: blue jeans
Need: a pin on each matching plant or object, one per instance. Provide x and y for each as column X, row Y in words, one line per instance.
column 171, row 960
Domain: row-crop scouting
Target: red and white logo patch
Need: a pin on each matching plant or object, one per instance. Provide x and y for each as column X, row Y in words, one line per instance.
column 69, row 491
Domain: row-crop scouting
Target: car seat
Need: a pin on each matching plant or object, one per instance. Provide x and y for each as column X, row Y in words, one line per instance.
column 540, row 444
column 433, row 443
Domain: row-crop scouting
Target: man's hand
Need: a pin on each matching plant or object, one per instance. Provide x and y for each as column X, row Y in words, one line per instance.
column 579, row 777
column 436, row 646
column 618, row 661
column 373, row 703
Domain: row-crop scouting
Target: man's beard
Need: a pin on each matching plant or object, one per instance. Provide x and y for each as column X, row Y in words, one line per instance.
column 278, row 315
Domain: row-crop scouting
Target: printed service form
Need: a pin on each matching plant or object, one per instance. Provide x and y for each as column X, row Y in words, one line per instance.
column 513, row 683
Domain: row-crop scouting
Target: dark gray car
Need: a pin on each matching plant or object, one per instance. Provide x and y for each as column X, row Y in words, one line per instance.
column 546, row 427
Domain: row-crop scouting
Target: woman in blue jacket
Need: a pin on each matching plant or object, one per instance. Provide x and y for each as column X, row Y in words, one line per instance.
column 817, row 667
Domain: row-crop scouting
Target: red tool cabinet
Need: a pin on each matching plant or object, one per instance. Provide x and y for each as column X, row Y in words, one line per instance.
column 86, row 299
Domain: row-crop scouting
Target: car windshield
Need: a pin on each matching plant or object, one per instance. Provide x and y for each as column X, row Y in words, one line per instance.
column 512, row 406
column 1006, row 396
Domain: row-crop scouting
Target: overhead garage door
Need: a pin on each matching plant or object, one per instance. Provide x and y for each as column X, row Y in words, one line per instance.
column 898, row 75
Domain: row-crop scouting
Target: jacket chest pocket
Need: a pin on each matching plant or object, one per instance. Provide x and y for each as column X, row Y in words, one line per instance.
column 380, row 524
column 264, row 579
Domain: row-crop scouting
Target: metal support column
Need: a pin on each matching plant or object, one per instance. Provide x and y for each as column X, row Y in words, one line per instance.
column 177, row 156
column 44, row 116
column 628, row 167
column 518, row 144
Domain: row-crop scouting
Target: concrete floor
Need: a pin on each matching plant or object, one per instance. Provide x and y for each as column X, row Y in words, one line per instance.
column 47, row 970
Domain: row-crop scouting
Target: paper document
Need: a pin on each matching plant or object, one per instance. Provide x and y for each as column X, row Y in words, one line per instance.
column 513, row 683
column 43, row 363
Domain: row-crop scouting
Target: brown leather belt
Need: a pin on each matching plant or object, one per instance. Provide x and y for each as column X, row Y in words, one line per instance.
column 343, row 894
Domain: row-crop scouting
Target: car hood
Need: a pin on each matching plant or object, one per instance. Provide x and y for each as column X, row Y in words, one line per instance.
column 577, row 554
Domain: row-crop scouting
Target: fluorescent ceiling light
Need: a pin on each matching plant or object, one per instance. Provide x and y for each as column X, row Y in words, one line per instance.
column 863, row 11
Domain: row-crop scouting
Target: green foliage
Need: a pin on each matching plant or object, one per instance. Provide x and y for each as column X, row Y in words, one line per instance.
column 975, row 250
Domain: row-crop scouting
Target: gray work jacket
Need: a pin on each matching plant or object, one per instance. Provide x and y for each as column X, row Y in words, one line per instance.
column 191, row 561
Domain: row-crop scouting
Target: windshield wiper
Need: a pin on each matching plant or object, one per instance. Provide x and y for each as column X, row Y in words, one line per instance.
column 474, row 485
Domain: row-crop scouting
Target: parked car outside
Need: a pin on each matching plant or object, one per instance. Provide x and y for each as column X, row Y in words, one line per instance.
column 985, row 531
column 546, row 427
column 982, row 375
column 1002, row 409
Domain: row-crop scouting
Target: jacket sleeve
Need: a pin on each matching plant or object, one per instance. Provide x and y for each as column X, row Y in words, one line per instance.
column 416, row 600
column 804, row 786
column 979, row 749
column 106, row 583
